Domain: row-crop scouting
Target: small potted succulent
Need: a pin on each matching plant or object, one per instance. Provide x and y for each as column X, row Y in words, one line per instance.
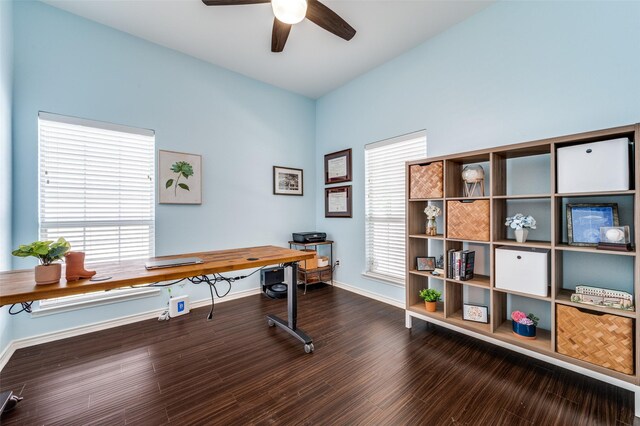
column 524, row 326
column 432, row 211
column 47, row 252
column 430, row 297
column 521, row 225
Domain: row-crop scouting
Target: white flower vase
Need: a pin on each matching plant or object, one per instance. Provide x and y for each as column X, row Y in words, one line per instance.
column 521, row 235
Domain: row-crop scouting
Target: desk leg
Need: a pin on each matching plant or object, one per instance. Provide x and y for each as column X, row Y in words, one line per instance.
column 292, row 312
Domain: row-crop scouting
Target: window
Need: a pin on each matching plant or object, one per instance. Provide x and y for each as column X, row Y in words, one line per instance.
column 97, row 187
column 385, row 203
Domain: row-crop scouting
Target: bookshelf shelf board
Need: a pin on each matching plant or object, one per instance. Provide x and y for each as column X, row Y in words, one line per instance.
column 482, row 281
column 456, row 318
column 468, row 241
column 567, row 247
column 542, row 343
column 532, row 244
column 419, row 308
column 426, row 274
column 521, row 197
column 594, row 194
column 486, row 197
column 517, row 293
column 422, row 200
column 427, row 237
column 564, row 298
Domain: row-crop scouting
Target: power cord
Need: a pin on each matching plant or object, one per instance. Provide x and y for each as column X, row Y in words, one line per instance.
column 26, row 307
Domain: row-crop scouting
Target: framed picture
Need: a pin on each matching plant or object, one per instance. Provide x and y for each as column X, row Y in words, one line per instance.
column 287, row 181
column 585, row 220
column 425, row 263
column 337, row 201
column 337, row 167
column 476, row 313
column 180, row 178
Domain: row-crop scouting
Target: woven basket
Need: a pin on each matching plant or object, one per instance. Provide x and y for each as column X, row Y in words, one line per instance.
column 426, row 181
column 468, row 220
column 602, row 339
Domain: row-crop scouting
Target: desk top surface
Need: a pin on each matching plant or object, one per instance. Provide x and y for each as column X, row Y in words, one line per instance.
column 20, row 286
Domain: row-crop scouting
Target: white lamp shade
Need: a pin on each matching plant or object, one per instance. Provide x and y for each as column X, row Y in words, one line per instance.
column 289, row 11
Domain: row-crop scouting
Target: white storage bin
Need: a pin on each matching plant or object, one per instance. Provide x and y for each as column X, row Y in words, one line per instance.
column 524, row 270
column 593, row 167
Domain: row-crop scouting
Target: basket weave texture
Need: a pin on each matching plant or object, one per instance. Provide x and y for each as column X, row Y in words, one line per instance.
column 468, row 220
column 426, row 181
column 605, row 340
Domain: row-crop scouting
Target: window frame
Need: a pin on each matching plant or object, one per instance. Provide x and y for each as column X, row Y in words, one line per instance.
column 56, row 305
column 418, row 137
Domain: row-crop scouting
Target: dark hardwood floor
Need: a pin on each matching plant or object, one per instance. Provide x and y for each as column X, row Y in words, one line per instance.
column 367, row 368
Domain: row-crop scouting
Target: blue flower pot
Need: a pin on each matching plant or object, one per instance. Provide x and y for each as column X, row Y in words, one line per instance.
column 524, row 331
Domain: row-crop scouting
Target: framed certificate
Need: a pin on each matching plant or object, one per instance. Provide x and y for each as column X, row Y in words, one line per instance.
column 337, row 201
column 337, row 167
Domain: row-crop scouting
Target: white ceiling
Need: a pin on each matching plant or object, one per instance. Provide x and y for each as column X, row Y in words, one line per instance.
column 314, row 61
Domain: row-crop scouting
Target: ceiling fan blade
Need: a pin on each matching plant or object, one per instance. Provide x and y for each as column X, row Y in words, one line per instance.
column 326, row 18
column 279, row 35
column 232, row 2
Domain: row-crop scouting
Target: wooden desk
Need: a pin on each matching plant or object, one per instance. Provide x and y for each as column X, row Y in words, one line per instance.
column 20, row 286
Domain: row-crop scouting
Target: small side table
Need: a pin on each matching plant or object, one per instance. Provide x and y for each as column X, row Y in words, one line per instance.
column 315, row 275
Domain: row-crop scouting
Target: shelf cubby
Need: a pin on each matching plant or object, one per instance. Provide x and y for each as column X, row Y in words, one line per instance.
column 457, row 295
column 505, row 302
column 539, row 208
column 453, row 183
column 521, row 172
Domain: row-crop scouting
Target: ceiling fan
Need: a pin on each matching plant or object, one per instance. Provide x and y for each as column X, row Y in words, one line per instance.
column 289, row 12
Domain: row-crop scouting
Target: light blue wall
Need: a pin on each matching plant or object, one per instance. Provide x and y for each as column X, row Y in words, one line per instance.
column 517, row 71
column 68, row 65
column 6, row 69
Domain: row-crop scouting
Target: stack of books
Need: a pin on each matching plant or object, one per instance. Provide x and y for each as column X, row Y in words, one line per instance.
column 461, row 264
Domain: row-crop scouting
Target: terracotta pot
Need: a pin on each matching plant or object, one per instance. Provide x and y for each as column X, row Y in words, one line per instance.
column 431, row 306
column 48, row 274
column 75, row 266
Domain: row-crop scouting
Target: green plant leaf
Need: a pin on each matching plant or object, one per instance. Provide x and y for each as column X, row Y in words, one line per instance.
column 169, row 183
column 184, row 186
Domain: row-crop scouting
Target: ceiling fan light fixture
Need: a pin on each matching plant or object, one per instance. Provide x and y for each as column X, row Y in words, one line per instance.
column 289, row 11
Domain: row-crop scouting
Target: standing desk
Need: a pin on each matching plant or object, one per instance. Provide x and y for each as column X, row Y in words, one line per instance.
column 20, row 286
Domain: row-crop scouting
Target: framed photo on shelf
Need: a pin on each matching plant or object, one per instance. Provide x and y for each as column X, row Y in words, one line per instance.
column 337, row 167
column 475, row 313
column 179, row 178
column 585, row 220
column 337, row 201
column 287, row 181
column 425, row 263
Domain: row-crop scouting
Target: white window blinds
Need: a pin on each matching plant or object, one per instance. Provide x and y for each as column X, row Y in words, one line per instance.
column 385, row 203
column 97, row 187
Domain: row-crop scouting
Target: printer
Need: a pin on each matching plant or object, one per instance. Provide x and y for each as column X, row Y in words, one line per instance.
column 309, row 237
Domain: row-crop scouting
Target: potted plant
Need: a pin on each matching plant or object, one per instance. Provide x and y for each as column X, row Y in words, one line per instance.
column 430, row 297
column 432, row 211
column 47, row 253
column 524, row 326
column 521, row 225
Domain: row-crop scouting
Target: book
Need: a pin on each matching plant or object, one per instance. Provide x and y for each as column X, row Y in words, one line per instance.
column 468, row 262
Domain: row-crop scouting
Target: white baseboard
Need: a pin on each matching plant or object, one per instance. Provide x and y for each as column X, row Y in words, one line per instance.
column 16, row 344
column 369, row 294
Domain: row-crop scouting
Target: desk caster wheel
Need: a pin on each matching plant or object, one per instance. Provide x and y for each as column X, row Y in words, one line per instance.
column 271, row 323
column 308, row 348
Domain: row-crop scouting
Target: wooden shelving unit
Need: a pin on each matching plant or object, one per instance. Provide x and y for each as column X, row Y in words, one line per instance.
column 507, row 195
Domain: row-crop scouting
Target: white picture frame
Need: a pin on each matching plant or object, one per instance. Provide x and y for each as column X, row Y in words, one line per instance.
column 179, row 178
